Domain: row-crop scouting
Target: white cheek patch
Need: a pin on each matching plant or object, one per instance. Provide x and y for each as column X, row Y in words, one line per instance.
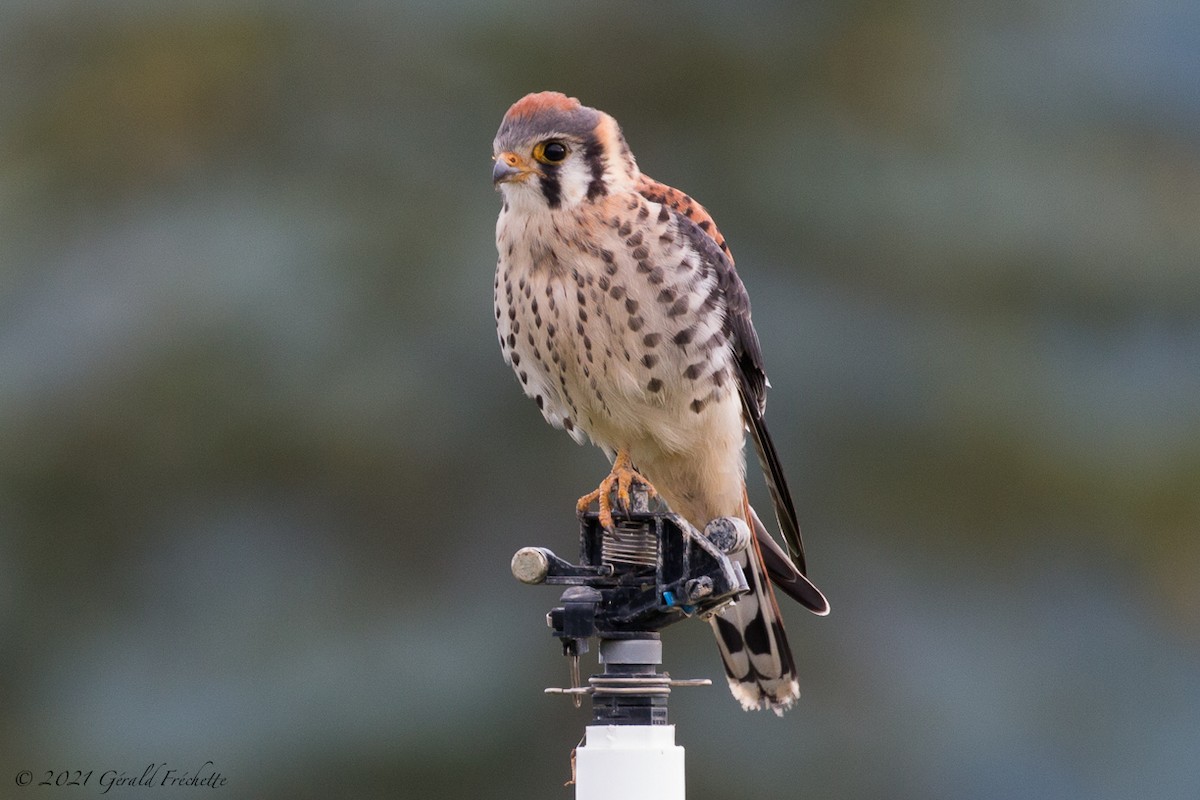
column 573, row 178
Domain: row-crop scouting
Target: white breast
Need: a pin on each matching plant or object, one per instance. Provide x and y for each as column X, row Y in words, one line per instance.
column 615, row 327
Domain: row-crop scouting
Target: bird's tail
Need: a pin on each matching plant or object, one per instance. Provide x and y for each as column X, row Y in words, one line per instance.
column 754, row 648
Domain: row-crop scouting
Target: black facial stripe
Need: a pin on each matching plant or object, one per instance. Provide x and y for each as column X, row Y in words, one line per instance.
column 551, row 188
column 593, row 154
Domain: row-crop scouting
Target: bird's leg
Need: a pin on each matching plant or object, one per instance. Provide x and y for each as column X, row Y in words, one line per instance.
column 622, row 476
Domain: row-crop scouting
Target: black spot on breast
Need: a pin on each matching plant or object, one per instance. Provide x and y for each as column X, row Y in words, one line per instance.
column 643, row 212
column 516, row 326
column 654, row 385
column 684, row 336
column 693, row 371
column 579, row 298
column 522, row 375
column 631, row 305
column 680, row 306
column 641, row 251
column 698, row 405
column 541, row 402
column 635, row 240
column 625, row 229
column 617, row 292
column 649, row 360
column 656, row 276
column 663, row 214
column 568, row 424
column 651, row 339
column 516, row 359
column 604, row 283
column 636, row 323
column 512, row 312
column 512, row 340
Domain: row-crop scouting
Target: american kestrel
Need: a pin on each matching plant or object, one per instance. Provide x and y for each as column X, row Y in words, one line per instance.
column 618, row 306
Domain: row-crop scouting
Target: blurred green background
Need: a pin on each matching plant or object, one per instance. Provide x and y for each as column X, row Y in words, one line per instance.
column 262, row 467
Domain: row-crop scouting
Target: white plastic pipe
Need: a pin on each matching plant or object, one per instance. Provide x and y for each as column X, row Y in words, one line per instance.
column 629, row 762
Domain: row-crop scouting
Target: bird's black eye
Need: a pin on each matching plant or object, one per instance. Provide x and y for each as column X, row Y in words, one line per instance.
column 550, row 152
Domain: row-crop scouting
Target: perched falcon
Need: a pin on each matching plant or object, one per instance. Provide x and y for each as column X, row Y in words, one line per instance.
column 618, row 306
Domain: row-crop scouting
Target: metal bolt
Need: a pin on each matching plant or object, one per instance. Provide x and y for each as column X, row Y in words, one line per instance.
column 530, row 565
column 698, row 588
column 730, row 534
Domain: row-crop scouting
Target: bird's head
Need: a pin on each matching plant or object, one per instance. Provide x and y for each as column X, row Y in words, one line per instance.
column 552, row 151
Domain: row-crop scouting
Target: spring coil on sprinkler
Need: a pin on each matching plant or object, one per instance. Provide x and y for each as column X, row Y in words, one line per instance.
column 630, row 543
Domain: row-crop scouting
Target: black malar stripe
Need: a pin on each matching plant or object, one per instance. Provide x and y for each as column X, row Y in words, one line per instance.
column 551, row 189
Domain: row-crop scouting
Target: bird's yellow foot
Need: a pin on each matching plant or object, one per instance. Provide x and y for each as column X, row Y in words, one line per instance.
column 622, row 477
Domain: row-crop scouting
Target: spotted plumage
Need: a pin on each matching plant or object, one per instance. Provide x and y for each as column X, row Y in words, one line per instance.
column 618, row 306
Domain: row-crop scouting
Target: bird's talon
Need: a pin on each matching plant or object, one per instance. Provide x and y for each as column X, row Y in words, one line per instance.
column 622, row 477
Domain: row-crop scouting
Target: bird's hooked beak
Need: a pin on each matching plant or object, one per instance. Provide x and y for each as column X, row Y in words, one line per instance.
column 510, row 167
